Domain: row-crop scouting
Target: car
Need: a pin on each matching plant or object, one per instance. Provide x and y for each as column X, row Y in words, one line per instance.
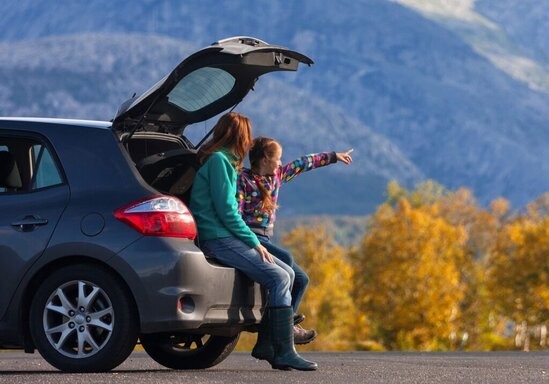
column 98, row 250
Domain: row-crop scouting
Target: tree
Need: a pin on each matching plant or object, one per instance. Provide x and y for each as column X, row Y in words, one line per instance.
column 518, row 271
column 328, row 301
column 539, row 208
column 408, row 277
column 426, row 192
column 478, row 321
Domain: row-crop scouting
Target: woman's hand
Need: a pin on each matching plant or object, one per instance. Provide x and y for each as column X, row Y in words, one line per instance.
column 345, row 157
column 265, row 255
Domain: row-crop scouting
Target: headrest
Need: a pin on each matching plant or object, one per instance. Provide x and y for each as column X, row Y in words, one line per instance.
column 9, row 173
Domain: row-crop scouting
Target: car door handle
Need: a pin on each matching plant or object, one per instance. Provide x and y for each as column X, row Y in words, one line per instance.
column 28, row 223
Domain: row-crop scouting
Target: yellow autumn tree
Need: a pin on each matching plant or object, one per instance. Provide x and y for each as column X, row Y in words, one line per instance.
column 328, row 302
column 479, row 326
column 539, row 208
column 425, row 193
column 518, row 269
column 408, row 278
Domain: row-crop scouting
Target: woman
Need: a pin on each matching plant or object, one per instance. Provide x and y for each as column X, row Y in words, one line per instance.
column 257, row 196
column 224, row 236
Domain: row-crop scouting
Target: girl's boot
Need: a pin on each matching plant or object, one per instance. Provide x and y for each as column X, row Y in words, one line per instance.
column 263, row 349
column 282, row 337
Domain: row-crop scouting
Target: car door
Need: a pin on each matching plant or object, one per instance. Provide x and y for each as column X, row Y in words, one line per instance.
column 30, row 207
column 205, row 84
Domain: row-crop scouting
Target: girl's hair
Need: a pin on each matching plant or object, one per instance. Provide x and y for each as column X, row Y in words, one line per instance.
column 263, row 147
column 232, row 131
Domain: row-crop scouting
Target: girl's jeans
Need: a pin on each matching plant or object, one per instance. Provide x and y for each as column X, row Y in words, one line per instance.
column 301, row 279
column 276, row 278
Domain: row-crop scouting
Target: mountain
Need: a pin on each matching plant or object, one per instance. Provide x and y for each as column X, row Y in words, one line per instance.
column 453, row 91
column 88, row 76
column 526, row 23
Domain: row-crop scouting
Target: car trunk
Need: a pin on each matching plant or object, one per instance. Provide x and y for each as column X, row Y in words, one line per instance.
column 205, row 84
column 166, row 162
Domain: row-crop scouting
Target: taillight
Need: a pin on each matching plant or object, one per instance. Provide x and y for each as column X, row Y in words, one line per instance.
column 159, row 216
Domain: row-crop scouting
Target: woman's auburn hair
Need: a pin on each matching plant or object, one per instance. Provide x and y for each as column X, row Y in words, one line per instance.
column 232, row 131
column 263, row 147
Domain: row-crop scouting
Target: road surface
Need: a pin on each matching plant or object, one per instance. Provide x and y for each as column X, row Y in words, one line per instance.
column 345, row 368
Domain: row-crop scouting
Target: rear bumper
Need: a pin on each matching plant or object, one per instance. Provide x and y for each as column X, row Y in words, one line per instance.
column 177, row 289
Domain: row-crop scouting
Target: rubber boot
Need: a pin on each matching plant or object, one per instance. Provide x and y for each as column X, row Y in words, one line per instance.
column 282, row 337
column 263, row 349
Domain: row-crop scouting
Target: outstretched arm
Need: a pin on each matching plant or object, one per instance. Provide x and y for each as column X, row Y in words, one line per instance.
column 316, row 160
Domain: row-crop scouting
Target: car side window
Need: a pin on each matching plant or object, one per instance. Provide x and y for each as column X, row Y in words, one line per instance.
column 46, row 173
column 26, row 164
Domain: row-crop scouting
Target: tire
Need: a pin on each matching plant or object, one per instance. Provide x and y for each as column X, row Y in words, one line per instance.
column 188, row 351
column 83, row 320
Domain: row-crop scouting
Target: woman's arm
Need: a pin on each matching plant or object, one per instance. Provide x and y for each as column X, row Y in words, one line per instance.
column 223, row 191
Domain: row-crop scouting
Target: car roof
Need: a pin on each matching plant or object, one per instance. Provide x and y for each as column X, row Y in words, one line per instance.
column 58, row 121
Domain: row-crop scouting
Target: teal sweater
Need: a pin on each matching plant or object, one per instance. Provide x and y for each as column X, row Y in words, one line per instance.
column 213, row 200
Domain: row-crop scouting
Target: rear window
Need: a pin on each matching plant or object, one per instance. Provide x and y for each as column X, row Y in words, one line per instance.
column 201, row 88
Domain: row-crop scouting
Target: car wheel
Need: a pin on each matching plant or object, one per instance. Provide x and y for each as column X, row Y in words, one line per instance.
column 83, row 320
column 188, row 351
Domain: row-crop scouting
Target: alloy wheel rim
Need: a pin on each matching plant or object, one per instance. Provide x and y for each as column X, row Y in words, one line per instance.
column 78, row 319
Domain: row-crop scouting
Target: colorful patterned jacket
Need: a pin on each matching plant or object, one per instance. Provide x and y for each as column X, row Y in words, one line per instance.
column 249, row 195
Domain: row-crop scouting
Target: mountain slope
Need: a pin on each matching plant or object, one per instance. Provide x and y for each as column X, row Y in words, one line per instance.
column 526, row 22
column 453, row 94
column 88, row 76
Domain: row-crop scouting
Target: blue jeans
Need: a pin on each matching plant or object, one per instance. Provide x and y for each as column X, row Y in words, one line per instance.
column 301, row 279
column 276, row 278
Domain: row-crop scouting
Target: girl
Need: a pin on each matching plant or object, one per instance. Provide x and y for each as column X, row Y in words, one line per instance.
column 224, row 236
column 257, row 197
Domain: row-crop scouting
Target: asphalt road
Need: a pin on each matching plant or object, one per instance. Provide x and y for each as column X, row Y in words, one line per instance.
column 347, row 368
